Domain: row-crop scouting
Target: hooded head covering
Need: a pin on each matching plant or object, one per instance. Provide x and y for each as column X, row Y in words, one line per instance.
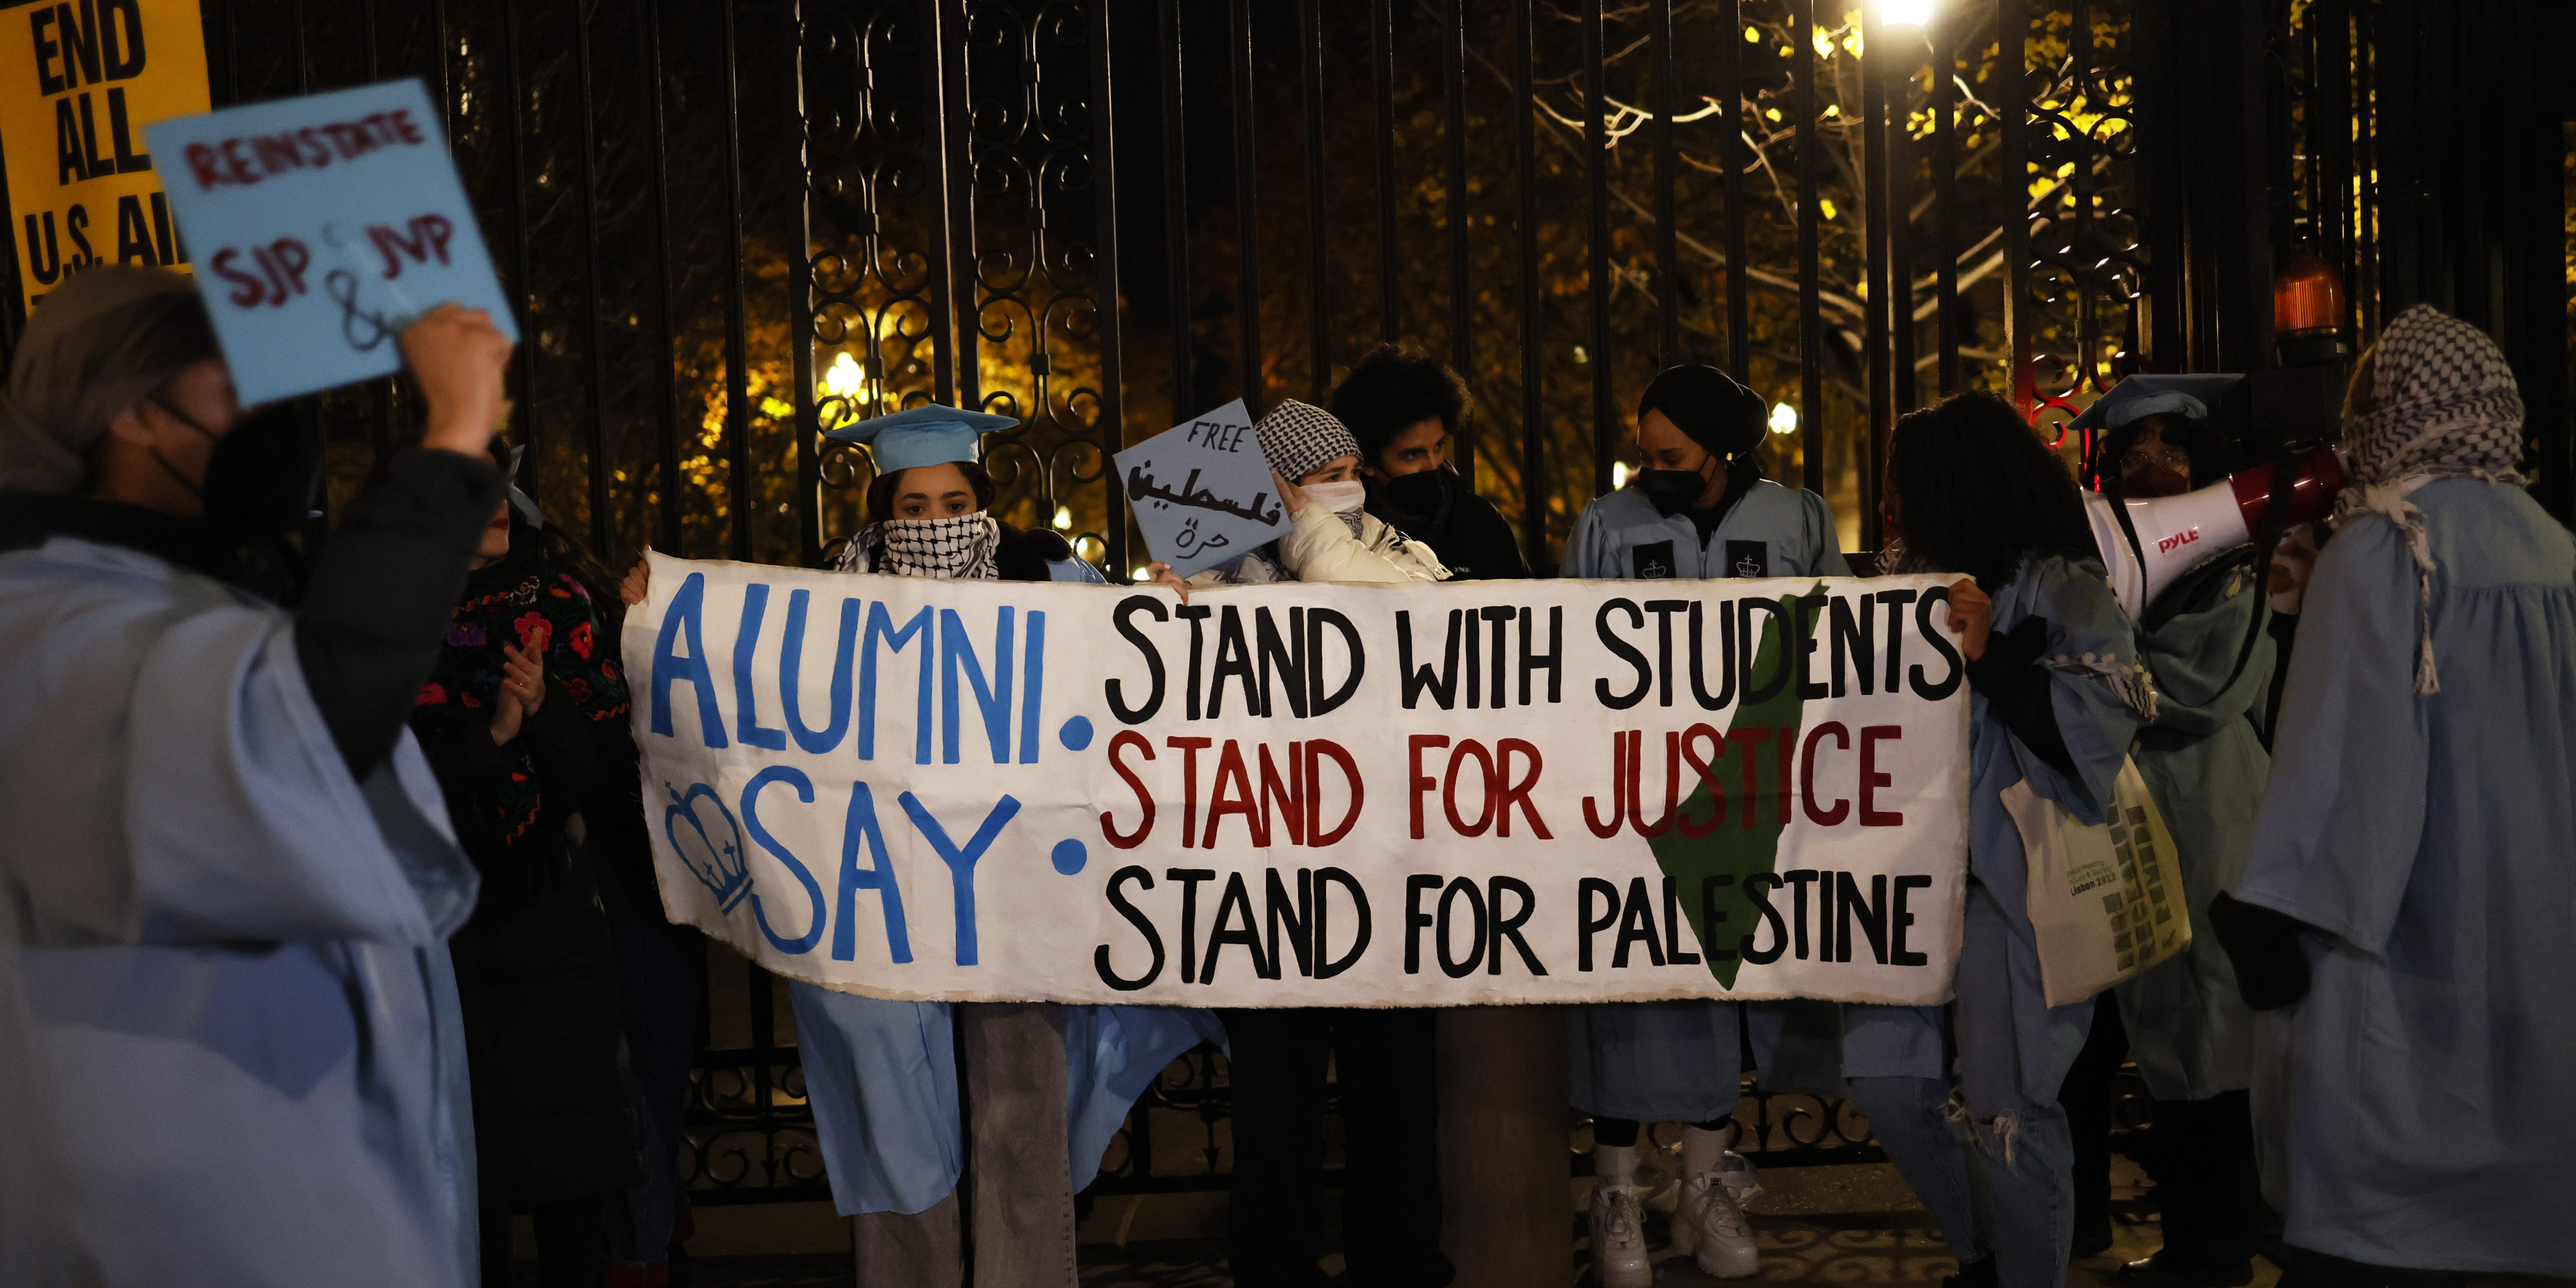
column 1712, row 407
column 2444, row 405
column 925, row 435
column 98, row 344
column 1301, row 438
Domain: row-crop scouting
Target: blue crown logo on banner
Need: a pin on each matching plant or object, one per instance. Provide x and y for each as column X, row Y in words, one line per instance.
column 720, row 868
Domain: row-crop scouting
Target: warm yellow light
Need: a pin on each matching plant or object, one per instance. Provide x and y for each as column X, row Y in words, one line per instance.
column 1064, row 518
column 845, row 379
column 1618, row 475
column 1784, row 419
column 1904, row 13
column 1142, row 575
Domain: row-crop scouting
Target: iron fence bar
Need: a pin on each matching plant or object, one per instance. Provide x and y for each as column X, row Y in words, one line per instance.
column 1596, row 182
column 1462, row 351
column 1896, row 90
column 648, row 29
column 1811, row 326
column 1730, row 153
column 1382, row 88
column 2368, row 283
column 595, row 370
column 1176, row 217
column 1104, row 285
column 1945, row 199
column 2012, row 98
column 522, row 283
column 298, row 54
column 1525, row 153
column 446, row 84
column 1310, row 76
column 1879, row 251
column 1668, row 258
column 2088, row 312
column 943, row 326
column 738, row 496
column 800, row 305
column 2333, row 72
column 1247, row 207
column 965, row 318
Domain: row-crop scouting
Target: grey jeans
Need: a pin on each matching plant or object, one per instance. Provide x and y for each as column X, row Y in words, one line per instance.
column 1017, row 1178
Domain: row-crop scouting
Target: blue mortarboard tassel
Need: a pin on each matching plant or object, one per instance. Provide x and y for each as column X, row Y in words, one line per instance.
column 2141, row 396
column 925, row 435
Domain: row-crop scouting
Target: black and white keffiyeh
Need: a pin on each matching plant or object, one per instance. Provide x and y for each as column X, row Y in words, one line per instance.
column 2444, row 405
column 1300, row 438
column 957, row 548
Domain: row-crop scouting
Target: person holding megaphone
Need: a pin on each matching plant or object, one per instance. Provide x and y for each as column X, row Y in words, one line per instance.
column 2203, row 761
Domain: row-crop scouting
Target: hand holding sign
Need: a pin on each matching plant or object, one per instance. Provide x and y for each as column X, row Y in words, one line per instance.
column 459, row 358
column 1203, row 492
column 324, row 227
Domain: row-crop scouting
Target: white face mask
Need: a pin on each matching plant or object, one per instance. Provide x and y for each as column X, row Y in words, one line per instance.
column 1340, row 498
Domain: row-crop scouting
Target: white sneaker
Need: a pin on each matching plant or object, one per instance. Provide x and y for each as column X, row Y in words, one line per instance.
column 1619, row 1239
column 1711, row 1219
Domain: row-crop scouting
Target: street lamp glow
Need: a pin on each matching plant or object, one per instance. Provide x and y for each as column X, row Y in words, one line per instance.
column 1618, row 475
column 1904, row 13
column 1064, row 518
column 1784, row 419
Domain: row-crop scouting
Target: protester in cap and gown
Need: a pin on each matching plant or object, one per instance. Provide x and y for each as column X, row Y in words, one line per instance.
column 2057, row 693
column 1405, row 410
column 1701, row 509
column 228, row 1026
column 1315, row 463
column 2408, row 900
column 1385, row 1061
column 2202, row 758
column 1048, row 1085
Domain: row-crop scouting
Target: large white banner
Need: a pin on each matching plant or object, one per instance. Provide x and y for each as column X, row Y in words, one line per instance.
column 1537, row 791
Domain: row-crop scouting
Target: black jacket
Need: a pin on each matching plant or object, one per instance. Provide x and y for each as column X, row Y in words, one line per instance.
column 1464, row 529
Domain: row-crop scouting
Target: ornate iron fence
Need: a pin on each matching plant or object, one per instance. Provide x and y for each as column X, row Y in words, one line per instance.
column 732, row 224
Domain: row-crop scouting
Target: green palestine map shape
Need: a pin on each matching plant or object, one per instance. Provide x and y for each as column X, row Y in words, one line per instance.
column 1733, row 849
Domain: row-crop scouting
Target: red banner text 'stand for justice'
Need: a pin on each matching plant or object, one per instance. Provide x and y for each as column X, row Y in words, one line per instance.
column 1544, row 791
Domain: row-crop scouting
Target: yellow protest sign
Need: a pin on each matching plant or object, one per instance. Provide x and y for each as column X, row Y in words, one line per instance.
column 79, row 79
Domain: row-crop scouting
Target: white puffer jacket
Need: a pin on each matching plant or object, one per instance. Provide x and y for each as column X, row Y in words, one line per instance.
column 1322, row 548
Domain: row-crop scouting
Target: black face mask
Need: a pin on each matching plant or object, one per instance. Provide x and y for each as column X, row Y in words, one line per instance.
column 1672, row 491
column 1422, row 492
column 259, row 478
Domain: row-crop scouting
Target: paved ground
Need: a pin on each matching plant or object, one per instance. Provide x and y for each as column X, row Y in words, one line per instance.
column 1852, row 1225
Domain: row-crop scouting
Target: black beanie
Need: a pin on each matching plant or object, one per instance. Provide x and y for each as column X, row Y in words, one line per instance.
column 1710, row 406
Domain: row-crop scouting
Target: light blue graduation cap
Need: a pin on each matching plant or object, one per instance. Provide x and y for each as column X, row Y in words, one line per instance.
column 520, row 501
column 2141, row 396
column 925, row 435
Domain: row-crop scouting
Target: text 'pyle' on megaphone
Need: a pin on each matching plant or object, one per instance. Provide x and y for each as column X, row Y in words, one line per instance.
column 2175, row 534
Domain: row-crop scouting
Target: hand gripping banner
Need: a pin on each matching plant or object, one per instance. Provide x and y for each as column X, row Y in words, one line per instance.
column 1309, row 795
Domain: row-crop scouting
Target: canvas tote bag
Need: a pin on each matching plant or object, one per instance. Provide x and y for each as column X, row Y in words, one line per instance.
column 2106, row 899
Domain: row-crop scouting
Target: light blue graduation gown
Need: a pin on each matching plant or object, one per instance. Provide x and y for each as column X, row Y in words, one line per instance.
column 882, row 1078
column 1678, row 1061
column 2415, row 1106
column 2014, row 1048
column 2204, row 764
column 1773, row 531
column 228, row 1028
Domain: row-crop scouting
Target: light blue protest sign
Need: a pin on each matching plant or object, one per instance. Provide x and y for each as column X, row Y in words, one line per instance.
column 320, row 227
column 1202, row 491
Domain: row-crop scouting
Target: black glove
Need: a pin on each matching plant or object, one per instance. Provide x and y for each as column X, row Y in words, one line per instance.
column 2263, row 946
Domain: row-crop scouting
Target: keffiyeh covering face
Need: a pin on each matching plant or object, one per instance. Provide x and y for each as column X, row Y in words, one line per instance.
column 2445, row 405
column 957, row 548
